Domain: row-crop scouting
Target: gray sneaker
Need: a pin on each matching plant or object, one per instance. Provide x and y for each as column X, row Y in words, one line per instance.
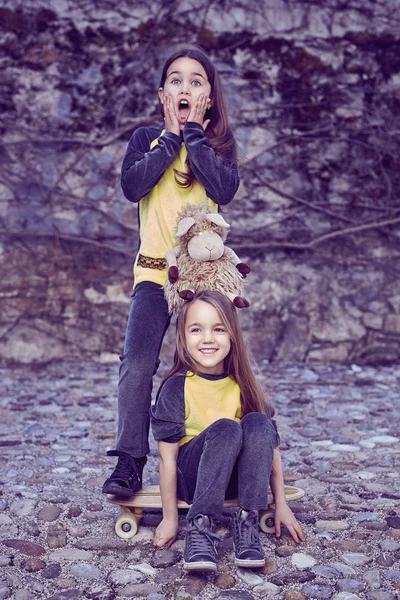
column 248, row 549
column 201, row 545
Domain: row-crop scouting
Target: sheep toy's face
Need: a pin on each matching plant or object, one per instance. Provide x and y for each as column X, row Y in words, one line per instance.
column 206, row 245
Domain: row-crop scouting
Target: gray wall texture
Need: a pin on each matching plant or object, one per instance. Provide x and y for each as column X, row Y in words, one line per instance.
column 313, row 92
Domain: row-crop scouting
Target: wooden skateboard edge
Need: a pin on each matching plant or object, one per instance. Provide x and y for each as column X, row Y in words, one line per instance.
column 149, row 497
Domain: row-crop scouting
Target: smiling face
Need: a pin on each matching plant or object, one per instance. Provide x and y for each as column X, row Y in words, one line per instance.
column 206, row 338
column 186, row 79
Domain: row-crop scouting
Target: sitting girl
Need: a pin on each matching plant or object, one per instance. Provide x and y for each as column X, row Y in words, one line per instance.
column 216, row 438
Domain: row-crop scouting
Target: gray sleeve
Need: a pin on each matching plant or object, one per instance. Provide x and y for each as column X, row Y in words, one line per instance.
column 168, row 414
column 219, row 177
column 143, row 166
column 278, row 437
column 273, row 421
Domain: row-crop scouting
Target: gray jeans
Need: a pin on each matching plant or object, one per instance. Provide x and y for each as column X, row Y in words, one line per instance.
column 147, row 323
column 227, row 459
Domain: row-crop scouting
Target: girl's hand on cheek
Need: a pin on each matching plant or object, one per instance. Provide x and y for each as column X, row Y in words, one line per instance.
column 171, row 120
column 198, row 111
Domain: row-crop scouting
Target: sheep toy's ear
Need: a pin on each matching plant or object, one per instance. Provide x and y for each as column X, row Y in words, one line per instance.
column 217, row 219
column 184, row 225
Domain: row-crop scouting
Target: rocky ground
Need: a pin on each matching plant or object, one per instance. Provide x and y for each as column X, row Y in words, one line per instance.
column 340, row 440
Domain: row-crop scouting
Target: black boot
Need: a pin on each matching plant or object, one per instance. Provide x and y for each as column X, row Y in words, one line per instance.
column 126, row 479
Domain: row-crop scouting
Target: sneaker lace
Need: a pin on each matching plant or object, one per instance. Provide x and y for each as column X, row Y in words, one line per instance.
column 247, row 534
column 202, row 540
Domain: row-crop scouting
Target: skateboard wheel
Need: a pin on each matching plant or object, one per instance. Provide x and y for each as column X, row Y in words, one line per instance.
column 267, row 522
column 126, row 526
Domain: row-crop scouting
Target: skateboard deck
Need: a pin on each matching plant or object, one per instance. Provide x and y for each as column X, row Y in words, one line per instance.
column 131, row 509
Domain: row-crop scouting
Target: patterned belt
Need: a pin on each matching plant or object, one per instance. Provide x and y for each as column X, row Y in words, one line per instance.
column 152, row 263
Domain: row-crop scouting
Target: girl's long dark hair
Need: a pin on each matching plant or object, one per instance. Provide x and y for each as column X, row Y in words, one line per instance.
column 238, row 363
column 218, row 133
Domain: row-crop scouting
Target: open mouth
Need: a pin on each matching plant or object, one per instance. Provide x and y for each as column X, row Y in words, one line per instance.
column 208, row 350
column 183, row 108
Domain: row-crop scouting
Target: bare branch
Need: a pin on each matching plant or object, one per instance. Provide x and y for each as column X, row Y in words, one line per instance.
column 322, row 238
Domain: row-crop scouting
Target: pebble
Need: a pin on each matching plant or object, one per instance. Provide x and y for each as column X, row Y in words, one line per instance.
column 23, row 507
column 5, row 520
column 143, row 568
column 303, row 561
column 71, row 554
column 284, row 551
column 385, row 560
column 225, row 581
column 267, row 589
column 23, row 595
column 384, row 439
column 164, row 558
column 74, row 511
column 393, row 521
column 334, row 525
column 381, row 596
column 49, row 513
column 52, row 571
column 26, row 547
column 326, row 571
column 249, row 578
column 345, row 596
column 195, row 585
column 320, row 591
column 139, row 590
column 269, row 567
column 350, row 585
column 355, row 559
column 94, row 507
column 294, row 595
column 71, row 594
column 56, row 537
column 168, row 574
column 85, row 571
column 234, row 595
column 373, row 579
column 393, row 574
column 33, row 564
column 343, row 569
column 389, row 545
column 124, row 576
column 78, row 531
column 294, row 577
column 364, row 517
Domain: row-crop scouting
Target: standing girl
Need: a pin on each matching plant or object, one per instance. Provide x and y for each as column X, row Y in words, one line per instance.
column 216, row 438
column 191, row 159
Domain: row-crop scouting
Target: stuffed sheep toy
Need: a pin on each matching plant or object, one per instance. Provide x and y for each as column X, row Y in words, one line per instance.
column 201, row 261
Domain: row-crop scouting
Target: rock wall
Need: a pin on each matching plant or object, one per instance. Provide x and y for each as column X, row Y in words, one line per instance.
column 313, row 92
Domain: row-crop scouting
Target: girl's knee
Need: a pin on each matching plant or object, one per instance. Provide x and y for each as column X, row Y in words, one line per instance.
column 255, row 422
column 227, row 428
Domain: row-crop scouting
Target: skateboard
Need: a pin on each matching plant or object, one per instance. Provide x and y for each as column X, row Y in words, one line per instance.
column 131, row 509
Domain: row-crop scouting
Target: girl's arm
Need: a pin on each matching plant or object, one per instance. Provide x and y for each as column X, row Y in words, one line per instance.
column 220, row 178
column 283, row 514
column 142, row 167
column 167, row 530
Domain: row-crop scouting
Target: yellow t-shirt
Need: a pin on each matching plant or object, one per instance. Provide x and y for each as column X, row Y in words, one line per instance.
column 206, row 401
column 158, row 219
